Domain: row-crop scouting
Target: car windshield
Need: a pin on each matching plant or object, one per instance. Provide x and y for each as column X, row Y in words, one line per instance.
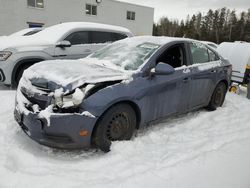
column 126, row 56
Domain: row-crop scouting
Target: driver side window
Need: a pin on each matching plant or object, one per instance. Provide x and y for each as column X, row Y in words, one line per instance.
column 174, row 56
column 80, row 37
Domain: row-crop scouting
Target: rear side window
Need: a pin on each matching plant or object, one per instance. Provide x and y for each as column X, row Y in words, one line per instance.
column 213, row 56
column 81, row 37
column 104, row 37
column 100, row 37
column 199, row 53
column 118, row 36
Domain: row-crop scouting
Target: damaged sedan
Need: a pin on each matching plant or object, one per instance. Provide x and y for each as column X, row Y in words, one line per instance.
column 74, row 104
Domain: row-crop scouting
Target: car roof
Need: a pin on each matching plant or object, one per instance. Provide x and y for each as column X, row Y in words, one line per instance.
column 89, row 25
column 162, row 40
column 25, row 31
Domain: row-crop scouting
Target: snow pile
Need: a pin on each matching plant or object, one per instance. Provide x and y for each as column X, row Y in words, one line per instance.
column 198, row 149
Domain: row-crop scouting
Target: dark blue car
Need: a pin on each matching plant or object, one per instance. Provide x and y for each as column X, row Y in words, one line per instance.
column 127, row 85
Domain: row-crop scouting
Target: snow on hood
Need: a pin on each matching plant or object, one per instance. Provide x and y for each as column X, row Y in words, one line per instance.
column 21, row 41
column 70, row 74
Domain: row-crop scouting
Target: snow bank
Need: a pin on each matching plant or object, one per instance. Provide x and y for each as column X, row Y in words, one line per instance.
column 198, row 149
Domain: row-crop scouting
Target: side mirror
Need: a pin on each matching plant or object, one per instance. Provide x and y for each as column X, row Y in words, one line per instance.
column 63, row 44
column 163, row 69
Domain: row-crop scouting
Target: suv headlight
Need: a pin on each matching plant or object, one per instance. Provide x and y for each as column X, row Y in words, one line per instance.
column 4, row 55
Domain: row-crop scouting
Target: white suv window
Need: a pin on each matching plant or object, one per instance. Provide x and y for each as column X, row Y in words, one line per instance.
column 104, row 37
column 93, row 37
column 80, row 37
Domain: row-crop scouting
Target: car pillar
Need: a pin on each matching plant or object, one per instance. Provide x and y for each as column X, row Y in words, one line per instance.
column 248, row 89
column 248, row 81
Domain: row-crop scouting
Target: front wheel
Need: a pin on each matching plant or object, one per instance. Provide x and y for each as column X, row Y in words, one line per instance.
column 218, row 97
column 117, row 124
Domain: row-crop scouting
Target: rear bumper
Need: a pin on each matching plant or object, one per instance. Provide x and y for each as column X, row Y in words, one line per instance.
column 62, row 132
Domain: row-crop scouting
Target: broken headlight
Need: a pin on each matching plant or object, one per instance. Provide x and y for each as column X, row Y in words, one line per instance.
column 71, row 100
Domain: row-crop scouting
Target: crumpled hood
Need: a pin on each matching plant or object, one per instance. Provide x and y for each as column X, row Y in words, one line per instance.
column 20, row 41
column 70, row 74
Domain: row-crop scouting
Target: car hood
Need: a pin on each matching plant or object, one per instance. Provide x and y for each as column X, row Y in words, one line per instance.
column 70, row 74
column 21, row 41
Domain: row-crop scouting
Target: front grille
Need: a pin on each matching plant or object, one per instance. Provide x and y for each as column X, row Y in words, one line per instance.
column 42, row 100
column 42, row 87
column 57, row 138
column 2, row 77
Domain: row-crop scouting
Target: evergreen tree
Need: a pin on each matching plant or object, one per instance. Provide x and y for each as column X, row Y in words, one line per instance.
column 216, row 25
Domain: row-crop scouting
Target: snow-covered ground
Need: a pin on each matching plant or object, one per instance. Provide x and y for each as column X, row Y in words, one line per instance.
column 197, row 150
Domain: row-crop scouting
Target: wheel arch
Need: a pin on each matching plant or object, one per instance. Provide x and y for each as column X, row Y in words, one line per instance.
column 134, row 106
column 225, row 82
column 18, row 66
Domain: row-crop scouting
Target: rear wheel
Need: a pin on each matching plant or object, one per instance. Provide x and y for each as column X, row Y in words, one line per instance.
column 218, row 96
column 117, row 124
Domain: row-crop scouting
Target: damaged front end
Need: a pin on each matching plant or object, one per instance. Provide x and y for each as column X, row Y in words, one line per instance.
column 54, row 115
column 55, row 118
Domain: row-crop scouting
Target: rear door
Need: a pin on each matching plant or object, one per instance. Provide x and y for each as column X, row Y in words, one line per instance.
column 204, row 73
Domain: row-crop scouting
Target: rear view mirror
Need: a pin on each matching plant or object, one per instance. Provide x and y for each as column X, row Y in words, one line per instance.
column 163, row 69
column 63, row 44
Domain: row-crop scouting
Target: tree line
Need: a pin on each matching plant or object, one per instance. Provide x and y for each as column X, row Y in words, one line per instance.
column 216, row 25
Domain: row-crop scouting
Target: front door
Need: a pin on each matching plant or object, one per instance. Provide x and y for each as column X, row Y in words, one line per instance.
column 168, row 94
column 81, row 46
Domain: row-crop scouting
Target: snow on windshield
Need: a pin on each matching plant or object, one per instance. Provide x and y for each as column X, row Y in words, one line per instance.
column 128, row 54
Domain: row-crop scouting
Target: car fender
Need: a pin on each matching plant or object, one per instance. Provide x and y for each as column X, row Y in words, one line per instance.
column 102, row 100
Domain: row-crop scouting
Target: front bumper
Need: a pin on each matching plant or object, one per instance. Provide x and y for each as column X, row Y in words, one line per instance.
column 2, row 76
column 64, row 130
column 6, row 68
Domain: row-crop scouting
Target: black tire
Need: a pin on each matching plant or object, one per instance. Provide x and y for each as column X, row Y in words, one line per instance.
column 218, row 97
column 118, row 123
column 19, row 75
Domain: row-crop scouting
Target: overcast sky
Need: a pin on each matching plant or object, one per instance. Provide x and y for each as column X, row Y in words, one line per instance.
column 179, row 9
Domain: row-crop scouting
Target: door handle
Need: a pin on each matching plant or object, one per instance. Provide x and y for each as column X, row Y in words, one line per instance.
column 185, row 80
column 213, row 71
column 87, row 51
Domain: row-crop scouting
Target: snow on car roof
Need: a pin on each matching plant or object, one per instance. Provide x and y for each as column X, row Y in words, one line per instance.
column 160, row 40
column 24, row 31
column 54, row 33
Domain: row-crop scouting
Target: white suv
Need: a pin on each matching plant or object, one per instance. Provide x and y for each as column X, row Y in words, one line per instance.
column 71, row 40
